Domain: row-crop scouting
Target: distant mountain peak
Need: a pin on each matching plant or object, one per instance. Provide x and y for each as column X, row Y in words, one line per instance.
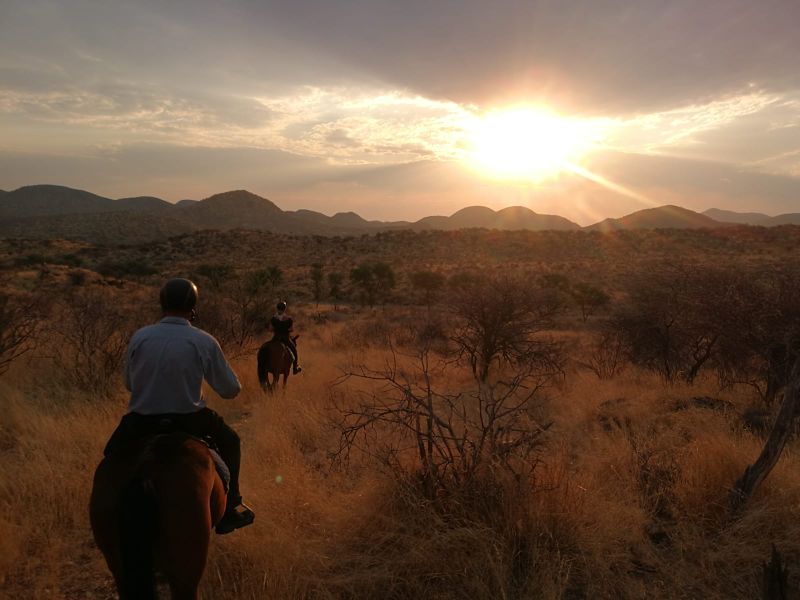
column 240, row 197
column 668, row 216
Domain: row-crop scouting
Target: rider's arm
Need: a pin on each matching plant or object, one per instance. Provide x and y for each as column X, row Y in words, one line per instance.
column 219, row 374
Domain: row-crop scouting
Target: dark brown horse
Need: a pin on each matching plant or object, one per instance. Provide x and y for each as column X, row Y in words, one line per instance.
column 274, row 359
column 152, row 509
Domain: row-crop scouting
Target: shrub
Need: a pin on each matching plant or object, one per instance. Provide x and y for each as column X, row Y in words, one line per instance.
column 89, row 332
column 19, row 325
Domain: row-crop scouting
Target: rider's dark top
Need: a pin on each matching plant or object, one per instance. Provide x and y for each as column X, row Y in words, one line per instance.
column 281, row 327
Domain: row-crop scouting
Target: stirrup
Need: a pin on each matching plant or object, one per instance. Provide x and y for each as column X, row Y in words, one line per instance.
column 296, row 370
column 235, row 518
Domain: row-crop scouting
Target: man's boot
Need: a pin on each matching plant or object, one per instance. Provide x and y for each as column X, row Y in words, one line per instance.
column 237, row 515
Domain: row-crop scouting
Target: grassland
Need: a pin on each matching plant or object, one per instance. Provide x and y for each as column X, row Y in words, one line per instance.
column 628, row 497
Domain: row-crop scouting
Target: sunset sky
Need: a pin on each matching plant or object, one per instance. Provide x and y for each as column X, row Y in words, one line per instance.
column 401, row 109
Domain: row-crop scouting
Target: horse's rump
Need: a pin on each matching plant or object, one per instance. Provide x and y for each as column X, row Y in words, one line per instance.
column 274, row 357
column 153, row 505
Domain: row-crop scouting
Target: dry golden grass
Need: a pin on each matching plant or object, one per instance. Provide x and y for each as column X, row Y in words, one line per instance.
column 629, row 501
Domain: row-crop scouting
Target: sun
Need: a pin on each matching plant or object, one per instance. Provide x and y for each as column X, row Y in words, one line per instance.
column 527, row 144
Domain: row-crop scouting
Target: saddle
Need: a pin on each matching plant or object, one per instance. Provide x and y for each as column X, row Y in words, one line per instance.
column 289, row 350
column 157, row 433
column 287, row 346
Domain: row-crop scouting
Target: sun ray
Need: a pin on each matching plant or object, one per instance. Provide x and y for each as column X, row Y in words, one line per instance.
column 608, row 184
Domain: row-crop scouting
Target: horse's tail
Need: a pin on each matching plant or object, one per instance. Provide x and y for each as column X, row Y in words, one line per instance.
column 137, row 526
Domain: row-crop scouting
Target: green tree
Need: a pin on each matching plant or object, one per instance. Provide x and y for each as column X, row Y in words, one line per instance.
column 428, row 283
column 316, row 282
column 374, row 281
column 274, row 275
column 335, row 288
column 363, row 278
column 217, row 275
column 384, row 276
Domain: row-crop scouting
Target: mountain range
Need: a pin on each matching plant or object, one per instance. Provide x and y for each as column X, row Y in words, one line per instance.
column 50, row 211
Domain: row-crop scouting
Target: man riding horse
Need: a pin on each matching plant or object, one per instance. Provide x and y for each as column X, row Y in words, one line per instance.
column 165, row 367
column 282, row 327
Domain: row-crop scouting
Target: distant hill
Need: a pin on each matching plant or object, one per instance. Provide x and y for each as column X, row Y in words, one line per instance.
column 729, row 216
column 56, row 211
column 512, row 218
column 230, row 210
column 750, row 218
column 45, row 200
column 113, row 228
column 784, row 219
column 662, row 217
column 351, row 219
column 144, row 203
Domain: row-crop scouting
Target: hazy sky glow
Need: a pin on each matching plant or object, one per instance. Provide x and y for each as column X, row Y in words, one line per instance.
column 372, row 105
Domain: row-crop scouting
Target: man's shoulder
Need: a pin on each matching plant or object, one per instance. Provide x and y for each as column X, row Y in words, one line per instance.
column 145, row 331
column 201, row 335
column 159, row 329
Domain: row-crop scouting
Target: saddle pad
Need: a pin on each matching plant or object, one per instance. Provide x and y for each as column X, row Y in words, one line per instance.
column 289, row 350
column 222, row 469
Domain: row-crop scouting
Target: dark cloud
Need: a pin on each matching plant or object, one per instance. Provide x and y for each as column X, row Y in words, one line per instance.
column 339, row 137
column 594, row 55
column 597, row 56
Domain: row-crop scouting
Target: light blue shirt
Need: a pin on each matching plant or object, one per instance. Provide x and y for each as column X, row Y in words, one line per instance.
column 166, row 364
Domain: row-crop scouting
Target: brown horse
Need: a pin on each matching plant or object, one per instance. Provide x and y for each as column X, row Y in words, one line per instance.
column 152, row 509
column 275, row 359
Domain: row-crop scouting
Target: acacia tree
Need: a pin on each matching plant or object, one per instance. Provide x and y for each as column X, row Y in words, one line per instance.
column 588, row 298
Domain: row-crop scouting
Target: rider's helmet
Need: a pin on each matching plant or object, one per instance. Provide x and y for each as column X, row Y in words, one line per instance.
column 178, row 294
column 281, row 306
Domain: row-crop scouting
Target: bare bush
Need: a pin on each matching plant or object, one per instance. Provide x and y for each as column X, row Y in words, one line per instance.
column 444, row 438
column 608, row 355
column 670, row 323
column 503, row 321
column 19, row 324
column 449, row 437
column 90, row 330
column 761, row 324
column 238, row 306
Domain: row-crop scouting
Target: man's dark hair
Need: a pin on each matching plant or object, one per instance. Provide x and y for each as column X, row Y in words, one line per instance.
column 281, row 305
column 178, row 294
